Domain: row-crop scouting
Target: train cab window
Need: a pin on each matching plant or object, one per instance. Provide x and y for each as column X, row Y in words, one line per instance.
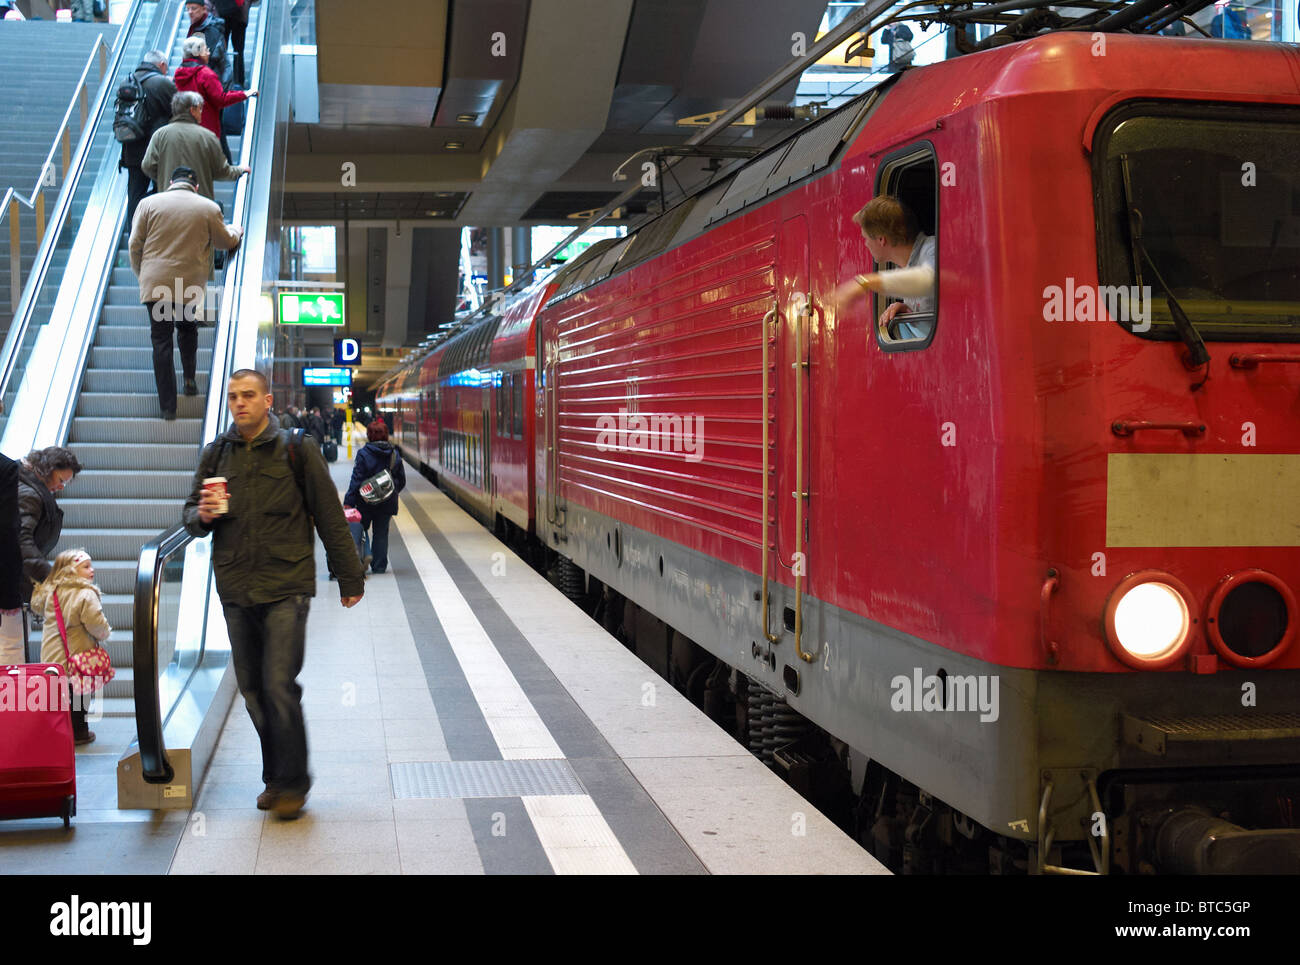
column 900, row 225
column 1198, row 221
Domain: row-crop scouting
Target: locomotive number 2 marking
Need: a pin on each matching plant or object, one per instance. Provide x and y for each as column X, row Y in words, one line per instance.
column 826, row 662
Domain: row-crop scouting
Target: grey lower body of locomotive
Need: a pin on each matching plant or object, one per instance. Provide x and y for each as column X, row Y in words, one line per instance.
column 1004, row 734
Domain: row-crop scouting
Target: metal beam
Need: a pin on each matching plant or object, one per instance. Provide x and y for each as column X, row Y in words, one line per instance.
column 851, row 24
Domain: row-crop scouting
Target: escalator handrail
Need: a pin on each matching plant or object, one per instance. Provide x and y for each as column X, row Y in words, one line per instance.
column 40, row 266
column 155, row 765
column 148, row 587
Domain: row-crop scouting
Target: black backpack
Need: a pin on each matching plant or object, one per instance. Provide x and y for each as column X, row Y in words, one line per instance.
column 130, row 111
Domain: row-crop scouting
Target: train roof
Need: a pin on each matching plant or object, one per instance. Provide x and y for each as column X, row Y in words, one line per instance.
column 1119, row 64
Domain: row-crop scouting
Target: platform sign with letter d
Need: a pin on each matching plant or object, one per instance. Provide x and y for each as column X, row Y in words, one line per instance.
column 347, row 351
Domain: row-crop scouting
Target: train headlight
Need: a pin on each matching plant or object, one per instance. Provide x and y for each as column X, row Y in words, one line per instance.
column 1149, row 620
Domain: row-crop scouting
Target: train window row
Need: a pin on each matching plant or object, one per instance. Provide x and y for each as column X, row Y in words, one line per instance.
column 462, row 454
column 510, row 405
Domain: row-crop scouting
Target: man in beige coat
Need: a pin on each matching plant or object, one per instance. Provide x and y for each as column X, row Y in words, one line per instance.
column 185, row 143
column 172, row 238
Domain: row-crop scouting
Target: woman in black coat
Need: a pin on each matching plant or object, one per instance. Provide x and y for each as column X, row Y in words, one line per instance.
column 376, row 455
column 42, row 474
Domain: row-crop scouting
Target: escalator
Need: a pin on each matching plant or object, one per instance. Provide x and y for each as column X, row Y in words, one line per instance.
column 76, row 370
column 137, row 467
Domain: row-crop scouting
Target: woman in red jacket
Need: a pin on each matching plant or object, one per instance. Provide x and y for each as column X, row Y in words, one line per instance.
column 195, row 74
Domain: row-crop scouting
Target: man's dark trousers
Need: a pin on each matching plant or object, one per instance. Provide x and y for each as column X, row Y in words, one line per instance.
column 163, row 317
column 267, row 644
column 235, row 42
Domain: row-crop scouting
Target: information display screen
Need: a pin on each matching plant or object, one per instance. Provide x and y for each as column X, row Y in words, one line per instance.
column 326, row 376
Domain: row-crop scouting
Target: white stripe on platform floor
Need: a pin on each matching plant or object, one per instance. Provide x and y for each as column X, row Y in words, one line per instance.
column 571, row 829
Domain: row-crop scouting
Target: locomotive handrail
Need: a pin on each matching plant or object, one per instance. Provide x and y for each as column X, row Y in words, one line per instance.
column 1254, row 361
column 1126, row 427
column 767, row 632
column 801, row 564
column 1050, row 586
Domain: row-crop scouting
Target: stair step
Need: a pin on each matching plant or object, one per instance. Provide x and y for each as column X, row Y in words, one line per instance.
column 139, row 381
column 135, row 358
column 136, row 431
column 126, row 456
column 138, row 405
column 146, row 482
column 154, row 514
column 119, row 706
column 116, row 576
column 109, row 544
column 119, row 646
column 122, row 686
column 131, row 336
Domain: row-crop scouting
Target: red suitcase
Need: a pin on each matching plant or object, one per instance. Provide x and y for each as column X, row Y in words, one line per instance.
column 38, row 771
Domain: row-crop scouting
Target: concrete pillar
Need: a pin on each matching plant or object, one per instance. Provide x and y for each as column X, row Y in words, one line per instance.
column 397, row 289
column 495, row 259
column 521, row 250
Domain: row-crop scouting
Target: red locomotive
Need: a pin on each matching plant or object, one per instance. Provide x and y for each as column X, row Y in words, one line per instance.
column 1032, row 576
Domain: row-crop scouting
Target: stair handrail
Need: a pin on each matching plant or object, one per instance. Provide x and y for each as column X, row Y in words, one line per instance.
column 150, row 719
column 72, row 171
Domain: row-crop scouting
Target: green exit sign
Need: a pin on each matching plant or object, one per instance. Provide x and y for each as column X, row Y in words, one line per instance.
column 311, row 308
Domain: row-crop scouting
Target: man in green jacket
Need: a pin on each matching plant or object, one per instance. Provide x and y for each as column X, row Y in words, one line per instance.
column 263, row 556
column 184, row 143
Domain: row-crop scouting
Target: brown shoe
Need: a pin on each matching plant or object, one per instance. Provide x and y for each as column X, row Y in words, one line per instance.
column 87, row 738
column 287, row 807
column 266, row 800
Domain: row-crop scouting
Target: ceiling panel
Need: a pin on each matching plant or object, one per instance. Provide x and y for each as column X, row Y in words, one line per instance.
column 366, row 205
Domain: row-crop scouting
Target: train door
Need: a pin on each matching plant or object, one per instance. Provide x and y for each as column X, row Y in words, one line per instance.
column 789, row 463
column 548, row 449
column 485, row 479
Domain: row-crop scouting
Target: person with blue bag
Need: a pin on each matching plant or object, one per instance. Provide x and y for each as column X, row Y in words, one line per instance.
column 377, row 477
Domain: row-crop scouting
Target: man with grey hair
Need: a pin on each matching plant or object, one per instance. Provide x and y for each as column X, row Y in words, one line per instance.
column 184, row 143
column 158, row 91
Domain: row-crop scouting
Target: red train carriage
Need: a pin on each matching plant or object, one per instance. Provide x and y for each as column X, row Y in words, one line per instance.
column 1039, row 562
column 465, row 412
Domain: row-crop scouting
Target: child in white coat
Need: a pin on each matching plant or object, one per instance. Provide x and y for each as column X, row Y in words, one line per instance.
column 72, row 579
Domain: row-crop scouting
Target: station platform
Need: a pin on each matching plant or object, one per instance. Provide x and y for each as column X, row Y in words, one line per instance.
column 464, row 718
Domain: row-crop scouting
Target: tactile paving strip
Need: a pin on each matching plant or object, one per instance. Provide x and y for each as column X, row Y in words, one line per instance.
column 466, row 779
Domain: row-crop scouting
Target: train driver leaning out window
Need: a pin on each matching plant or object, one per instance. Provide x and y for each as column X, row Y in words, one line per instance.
column 890, row 229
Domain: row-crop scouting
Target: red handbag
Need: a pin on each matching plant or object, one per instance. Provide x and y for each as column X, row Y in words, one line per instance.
column 88, row 671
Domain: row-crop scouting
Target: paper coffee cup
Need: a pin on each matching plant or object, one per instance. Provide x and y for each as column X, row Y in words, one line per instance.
column 217, row 484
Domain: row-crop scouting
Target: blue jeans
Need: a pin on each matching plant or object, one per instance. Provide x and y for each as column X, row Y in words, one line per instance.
column 376, row 545
column 267, row 643
column 379, row 543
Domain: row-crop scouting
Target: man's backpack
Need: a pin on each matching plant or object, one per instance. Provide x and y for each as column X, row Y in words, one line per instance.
column 130, row 111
